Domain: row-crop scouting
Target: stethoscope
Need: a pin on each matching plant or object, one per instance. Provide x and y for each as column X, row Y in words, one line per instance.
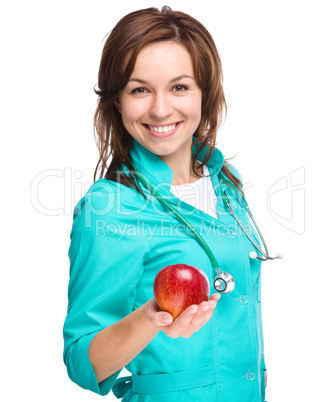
column 224, row 282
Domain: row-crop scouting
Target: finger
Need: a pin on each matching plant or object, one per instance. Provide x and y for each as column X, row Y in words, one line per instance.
column 181, row 322
column 210, row 304
column 156, row 316
column 186, row 316
column 203, row 315
column 205, row 308
column 215, row 296
column 185, row 326
column 162, row 319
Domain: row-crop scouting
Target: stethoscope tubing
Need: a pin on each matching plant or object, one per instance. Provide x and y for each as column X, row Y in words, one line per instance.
column 184, row 221
column 264, row 255
column 224, row 282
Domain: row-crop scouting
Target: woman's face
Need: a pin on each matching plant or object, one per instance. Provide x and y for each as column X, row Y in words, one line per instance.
column 161, row 103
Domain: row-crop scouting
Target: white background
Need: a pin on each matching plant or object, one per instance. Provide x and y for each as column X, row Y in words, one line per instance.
column 278, row 62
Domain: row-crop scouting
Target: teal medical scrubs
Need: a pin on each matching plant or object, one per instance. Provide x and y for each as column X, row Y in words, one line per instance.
column 119, row 242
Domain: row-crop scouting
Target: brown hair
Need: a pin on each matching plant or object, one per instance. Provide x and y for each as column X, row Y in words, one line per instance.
column 132, row 33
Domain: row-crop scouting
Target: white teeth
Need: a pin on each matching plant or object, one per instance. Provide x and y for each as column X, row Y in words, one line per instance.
column 162, row 129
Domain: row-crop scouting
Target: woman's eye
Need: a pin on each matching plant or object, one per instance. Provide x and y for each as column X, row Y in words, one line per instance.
column 137, row 91
column 176, row 88
column 180, row 88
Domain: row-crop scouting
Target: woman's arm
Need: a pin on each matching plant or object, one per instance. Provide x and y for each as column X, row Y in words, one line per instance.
column 115, row 346
column 102, row 333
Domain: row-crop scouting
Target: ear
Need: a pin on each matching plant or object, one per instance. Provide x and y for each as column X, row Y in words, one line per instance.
column 117, row 104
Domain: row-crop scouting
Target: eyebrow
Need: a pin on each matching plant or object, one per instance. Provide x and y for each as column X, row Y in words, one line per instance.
column 173, row 80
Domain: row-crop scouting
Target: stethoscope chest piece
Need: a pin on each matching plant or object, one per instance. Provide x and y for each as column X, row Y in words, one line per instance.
column 224, row 283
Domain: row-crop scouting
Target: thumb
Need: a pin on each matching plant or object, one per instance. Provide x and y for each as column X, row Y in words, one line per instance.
column 162, row 319
column 156, row 316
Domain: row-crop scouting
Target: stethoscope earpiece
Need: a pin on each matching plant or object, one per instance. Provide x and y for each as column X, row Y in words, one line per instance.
column 253, row 255
column 224, row 283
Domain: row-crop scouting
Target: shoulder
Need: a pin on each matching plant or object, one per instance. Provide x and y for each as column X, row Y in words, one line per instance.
column 233, row 170
column 98, row 196
column 109, row 201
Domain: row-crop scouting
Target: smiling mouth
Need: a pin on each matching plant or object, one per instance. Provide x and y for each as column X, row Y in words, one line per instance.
column 156, row 128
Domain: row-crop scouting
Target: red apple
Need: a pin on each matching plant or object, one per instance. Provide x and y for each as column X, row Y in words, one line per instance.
column 178, row 286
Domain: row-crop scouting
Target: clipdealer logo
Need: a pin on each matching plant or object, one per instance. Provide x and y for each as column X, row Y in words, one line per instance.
column 55, row 192
column 67, row 189
column 286, row 201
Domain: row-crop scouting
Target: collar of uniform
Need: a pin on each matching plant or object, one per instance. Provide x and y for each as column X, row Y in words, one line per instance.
column 157, row 170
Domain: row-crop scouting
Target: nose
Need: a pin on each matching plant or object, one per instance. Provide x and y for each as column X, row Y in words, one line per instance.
column 160, row 107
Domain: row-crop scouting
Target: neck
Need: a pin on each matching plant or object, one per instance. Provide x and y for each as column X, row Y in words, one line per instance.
column 184, row 176
column 181, row 165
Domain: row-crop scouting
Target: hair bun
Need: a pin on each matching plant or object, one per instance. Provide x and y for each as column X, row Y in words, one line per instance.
column 166, row 10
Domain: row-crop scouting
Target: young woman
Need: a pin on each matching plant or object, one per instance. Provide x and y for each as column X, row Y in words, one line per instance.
column 160, row 106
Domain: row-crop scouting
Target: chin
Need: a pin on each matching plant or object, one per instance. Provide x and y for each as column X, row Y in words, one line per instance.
column 159, row 148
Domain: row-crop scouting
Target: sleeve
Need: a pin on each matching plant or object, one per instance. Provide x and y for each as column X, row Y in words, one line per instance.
column 105, row 266
column 235, row 172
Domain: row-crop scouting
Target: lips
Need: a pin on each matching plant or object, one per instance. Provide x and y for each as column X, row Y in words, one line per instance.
column 162, row 130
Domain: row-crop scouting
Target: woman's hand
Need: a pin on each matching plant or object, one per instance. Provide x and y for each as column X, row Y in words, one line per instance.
column 189, row 321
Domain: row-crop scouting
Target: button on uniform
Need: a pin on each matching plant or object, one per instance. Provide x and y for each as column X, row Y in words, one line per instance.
column 231, row 233
column 244, row 299
column 250, row 376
